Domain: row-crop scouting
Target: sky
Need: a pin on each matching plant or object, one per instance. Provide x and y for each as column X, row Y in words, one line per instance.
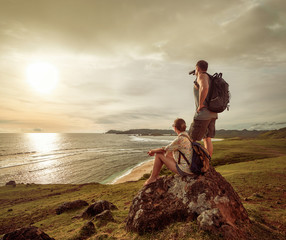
column 123, row 64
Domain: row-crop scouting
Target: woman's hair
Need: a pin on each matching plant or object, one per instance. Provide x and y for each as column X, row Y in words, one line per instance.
column 180, row 124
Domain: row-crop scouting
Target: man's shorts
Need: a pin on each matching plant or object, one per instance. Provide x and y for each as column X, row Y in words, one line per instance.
column 202, row 129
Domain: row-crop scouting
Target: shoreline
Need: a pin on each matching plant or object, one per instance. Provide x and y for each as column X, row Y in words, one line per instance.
column 135, row 173
column 138, row 171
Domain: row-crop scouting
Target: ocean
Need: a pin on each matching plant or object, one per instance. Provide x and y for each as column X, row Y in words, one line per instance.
column 56, row 158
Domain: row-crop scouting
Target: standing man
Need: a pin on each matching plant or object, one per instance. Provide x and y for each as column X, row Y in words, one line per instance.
column 203, row 126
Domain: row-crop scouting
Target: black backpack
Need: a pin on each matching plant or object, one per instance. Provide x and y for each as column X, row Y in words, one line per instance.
column 218, row 96
column 200, row 158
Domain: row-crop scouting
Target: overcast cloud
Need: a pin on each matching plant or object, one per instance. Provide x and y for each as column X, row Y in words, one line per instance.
column 124, row 63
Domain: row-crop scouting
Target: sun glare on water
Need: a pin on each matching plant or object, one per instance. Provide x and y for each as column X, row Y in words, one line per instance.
column 42, row 76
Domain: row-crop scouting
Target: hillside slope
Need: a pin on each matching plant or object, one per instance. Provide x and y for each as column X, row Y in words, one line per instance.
column 274, row 134
column 260, row 184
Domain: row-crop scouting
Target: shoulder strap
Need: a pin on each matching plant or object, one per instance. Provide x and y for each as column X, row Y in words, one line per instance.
column 196, row 83
column 180, row 153
column 210, row 93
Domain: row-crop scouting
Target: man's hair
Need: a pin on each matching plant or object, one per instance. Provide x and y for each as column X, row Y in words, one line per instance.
column 180, row 124
column 203, row 65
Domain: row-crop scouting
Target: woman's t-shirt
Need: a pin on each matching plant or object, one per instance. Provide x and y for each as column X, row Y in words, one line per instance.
column 183, row 144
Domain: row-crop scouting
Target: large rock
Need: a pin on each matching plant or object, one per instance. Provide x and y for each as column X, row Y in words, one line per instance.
column 208, row 199
column 87, row 230
column 106, row 215
column 67, row 206
column 27, row 233
column 97, row 208
column 11, row 183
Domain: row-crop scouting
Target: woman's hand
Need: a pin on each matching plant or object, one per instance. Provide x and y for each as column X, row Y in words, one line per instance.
column 151, row 153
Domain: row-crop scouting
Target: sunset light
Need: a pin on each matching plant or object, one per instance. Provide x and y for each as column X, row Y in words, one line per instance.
column 42, row 76
column 142, row 119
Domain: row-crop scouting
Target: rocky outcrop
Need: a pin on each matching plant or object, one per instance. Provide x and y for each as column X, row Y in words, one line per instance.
column 27, row 233
column 209, row 199
column 11, row 183
column 103, row 218
column 87, row 230
column 97, row 208
column 67, row 206
column 106, row 215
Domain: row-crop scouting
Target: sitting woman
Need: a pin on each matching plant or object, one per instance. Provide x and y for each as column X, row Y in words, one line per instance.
column 170, row 155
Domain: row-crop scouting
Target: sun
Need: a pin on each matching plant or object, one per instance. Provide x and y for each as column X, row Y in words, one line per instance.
column 42, row 76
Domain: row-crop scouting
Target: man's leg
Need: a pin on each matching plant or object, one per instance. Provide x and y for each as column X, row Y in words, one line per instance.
column 161, row 159
column 208, row 145
column 209, row 135
column 198, row 129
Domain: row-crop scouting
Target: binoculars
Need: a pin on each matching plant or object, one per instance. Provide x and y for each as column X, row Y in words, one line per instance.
column 192, row 72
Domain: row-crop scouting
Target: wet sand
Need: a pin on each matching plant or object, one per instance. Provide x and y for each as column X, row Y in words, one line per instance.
column 136, row 173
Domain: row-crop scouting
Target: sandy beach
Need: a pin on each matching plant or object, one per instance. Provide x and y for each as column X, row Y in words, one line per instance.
column 136, row 173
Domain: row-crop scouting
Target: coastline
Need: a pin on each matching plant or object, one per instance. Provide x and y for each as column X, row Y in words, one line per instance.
column 135, row 173
column 138, row 171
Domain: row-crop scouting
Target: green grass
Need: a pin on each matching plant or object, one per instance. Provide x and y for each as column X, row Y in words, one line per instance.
column 237, row 150
column 255, row 168
column 261, row 185
column 35, row 205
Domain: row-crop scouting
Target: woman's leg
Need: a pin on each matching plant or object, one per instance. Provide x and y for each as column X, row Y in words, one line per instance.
column 161, row 159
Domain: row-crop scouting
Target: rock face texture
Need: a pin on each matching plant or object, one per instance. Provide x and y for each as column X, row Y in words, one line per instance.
column 209, row 199
column 27, row 233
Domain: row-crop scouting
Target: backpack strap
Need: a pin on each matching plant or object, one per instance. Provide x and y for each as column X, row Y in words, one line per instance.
column 180, row 153
column 196, row 84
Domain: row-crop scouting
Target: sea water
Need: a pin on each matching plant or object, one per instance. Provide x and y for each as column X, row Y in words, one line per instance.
column 56, row 158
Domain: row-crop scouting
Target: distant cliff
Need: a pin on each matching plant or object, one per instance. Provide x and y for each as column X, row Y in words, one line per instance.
column 154, row 132
column 219, row 133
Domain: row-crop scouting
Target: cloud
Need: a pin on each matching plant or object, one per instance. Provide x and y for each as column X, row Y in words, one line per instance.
column 123, row 63
column 139, row 118
column 156, row 29
column 9, row 122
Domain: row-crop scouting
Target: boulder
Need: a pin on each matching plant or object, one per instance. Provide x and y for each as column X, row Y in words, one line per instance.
column 106, row 215
column 209, row 199
column 97, row 208
column 11, row 183
column 67, row 206
column 103, row 218
column 27, row 233
column 87, row 230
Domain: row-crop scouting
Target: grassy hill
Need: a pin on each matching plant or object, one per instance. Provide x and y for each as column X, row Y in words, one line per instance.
column 219, row 133
column 274, row 134
column 153, row 132
column 256, row 168
column 238, row 133
column 281, row 133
